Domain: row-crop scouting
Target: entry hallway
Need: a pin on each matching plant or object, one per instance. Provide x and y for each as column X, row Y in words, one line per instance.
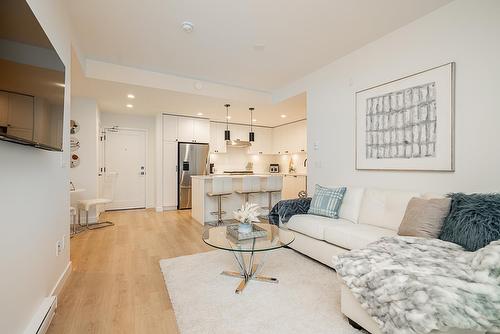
column 116, row 285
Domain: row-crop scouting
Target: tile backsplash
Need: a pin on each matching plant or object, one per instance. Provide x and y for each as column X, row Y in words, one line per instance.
column 238, row 158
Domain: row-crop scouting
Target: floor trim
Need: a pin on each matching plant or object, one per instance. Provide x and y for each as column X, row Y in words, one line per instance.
column 62, row 280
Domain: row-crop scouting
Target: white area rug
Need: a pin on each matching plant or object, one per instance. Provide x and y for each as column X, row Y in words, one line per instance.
column 306, row 300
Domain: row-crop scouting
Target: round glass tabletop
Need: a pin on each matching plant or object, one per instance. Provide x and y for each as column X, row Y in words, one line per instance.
column 219, row 237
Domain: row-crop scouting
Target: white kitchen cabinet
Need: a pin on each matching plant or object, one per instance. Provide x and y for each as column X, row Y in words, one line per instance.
column 239, row 132
column 201, row 130
column 263, row 141
column 4, row 108
column 185, row 128
column 170, row 128
column 169, row 174
column 217, row 141
column 292, row 185
column 290, row 138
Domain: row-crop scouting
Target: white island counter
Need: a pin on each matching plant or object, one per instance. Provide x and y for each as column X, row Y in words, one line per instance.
column 203, row 205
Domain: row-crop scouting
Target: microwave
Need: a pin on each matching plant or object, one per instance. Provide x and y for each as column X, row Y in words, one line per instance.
column 274, row 168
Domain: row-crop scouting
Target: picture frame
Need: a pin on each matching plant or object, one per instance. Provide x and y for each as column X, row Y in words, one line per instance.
column 407, row 124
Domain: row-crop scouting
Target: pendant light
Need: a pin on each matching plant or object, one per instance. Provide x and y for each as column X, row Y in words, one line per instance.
column 227, row 133
column 251, row 134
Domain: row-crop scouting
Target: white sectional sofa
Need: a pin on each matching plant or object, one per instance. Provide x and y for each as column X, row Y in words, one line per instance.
column 366, row 214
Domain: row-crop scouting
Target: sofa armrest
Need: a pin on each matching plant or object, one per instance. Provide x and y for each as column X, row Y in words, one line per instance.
column 285, row 209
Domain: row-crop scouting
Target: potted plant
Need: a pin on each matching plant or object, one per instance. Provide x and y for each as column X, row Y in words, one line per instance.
column 248, row 214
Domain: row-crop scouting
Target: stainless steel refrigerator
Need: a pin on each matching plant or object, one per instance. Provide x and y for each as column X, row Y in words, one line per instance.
column 192, row 160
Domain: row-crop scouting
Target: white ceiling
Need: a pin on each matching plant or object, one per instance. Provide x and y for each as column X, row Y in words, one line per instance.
column 299, row 36
column 112, row 97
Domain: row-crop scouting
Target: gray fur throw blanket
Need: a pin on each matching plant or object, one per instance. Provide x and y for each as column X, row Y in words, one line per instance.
column 414, row 285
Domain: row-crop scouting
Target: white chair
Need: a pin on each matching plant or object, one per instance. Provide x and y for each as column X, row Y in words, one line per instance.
column 274, row 184
column 249, row 185
column 87, row 204
column 221, row 186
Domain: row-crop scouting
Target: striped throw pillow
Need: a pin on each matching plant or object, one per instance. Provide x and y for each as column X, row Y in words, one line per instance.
column 326, row 201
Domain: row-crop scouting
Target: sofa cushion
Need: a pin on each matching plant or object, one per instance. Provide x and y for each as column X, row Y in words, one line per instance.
column 351, row 204
column 474, row 220
column 384, row 208
column 326, row 201
column 354, row 236
column 424, row 217
column 312, row 225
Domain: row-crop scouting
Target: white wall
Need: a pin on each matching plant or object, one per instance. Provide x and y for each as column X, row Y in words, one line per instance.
column 466, row 32
column 85, row 176
column 144, row 123
column 34, row 202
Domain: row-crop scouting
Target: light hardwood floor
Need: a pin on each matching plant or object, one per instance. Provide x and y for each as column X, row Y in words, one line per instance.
column 116, row 285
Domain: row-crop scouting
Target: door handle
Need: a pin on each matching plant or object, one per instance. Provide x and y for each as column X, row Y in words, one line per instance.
column 143, row 173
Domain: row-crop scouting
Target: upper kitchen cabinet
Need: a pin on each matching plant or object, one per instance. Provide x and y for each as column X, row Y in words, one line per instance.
column 186, row 129
column 170, row 128
column 263, row 141
column 185, row 126
column 201, row 128
column 217, row 142
column 290, row 138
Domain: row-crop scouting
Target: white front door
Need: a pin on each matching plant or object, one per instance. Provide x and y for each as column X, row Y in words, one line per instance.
column 125, row 157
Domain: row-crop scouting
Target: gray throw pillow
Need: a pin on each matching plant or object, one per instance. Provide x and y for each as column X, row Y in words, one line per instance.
column 424, row 217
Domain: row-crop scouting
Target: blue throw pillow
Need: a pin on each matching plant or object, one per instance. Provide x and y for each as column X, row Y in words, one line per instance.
column 326, row 201
column 473, row 221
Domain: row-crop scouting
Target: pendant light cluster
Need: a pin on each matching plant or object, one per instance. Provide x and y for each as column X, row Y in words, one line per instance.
column 227, row 132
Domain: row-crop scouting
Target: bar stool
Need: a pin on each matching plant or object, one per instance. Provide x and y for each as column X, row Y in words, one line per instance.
column 274, row 184
column 73, row 230
column 87, row 204
column 249, row 185
column 221, row 186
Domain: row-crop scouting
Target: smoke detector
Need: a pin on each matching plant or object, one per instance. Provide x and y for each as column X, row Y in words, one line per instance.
column 187, row 26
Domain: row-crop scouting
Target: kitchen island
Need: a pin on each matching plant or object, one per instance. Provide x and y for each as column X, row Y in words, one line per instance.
column 203, row 205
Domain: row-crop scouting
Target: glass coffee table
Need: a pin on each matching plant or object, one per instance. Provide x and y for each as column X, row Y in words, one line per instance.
column 245, row 251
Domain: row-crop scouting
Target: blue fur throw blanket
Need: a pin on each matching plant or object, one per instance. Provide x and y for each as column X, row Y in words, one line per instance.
column 473, row 221
column 287, row 208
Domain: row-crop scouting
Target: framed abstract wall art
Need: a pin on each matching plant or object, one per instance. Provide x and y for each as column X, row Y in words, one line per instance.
column 408, row 123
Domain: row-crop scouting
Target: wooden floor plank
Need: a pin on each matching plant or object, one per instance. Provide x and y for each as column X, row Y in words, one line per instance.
column 116, row 285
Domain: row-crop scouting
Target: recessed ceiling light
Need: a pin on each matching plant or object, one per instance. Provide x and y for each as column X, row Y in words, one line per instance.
column 129, row 106
column 228, row 117
column 283, row 116
column 187, row 26
column 254, row 120
column 131, row 96
column 200, row 114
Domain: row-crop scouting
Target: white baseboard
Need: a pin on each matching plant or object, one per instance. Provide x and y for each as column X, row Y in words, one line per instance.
column 62, row 280
column 169, row 208
column 159, row 209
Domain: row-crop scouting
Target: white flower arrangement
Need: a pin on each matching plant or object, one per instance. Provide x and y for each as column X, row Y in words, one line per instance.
column 248, row 213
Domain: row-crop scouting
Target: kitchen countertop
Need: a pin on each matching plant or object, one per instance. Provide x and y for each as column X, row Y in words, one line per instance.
column 209, row 177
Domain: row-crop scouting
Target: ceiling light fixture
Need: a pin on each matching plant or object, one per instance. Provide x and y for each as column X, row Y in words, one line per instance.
column 227, row 133
column 129, row 106
column 187, row 26
column 254, row 120
column 228, row 117
column 200, row 114
column 131, row 96
column 251, row 134
column 283, row 116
